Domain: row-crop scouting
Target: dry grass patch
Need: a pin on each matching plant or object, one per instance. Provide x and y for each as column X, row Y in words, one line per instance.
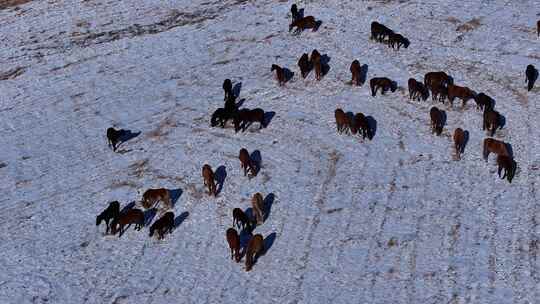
column 470, row 25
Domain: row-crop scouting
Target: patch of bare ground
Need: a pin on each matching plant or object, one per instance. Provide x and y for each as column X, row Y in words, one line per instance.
column 11, row 3
column 470, row 25
column 139, row 168
column 11, row 74
column 163, row 129
column 121, row 184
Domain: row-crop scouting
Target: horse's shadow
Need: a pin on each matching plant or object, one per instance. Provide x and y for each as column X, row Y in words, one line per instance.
column 256, row 160
column 465, row 141
column 124, row 136
column 288, row 74
column 318, row 24
column 149, row 215
column 372, row 125
column 325, row 67
column 220, row 176
column 268, row 242
column 236, row 89
column 268, row 116
column 175, row 195
column 127, row 207
column 502, row 121
column 532, row 81
column 509, row 149
column 363, row 74
column 267, row 203
column 180, row 219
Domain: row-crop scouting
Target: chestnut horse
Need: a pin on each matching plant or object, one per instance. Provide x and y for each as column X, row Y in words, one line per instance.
column 462, row 93
column 492, row 145
column 304, row 65
column 132, row 216
column 246, row 163
column 254, row 249
column 356, row 70
column 459, row 141
column 257, row 203
column 315, row 60
column 280, row 74
column 152, row 196
column 303, row 23
column 234, row 243
column 381, row 82
column 492, row 121
column 341, row 120
column 437, row 120
column 164, row 224
column 111, row 213
column 208, row 179
column 508, row 164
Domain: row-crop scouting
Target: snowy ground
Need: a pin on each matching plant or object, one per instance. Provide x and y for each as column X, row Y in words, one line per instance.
column 393, row 220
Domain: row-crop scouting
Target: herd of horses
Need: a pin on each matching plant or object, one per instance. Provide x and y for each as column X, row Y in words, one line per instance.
column 438, row 84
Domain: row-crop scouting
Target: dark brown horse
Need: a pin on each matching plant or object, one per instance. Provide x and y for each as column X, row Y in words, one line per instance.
column 164, row 224
column 304, row 65
column 492, row 145
column 356, row 70
column 246, row 117
column 303, row 23
column 492, row 121
column 111, row 213
column 379, row 32
column 437, row 120
column 234, row 243
column 351, row 123
column 463, row 93
column 417, row 90
column 254, row 249
column 209, row 180
column 113, row 137
column 531, row 74
column 459, row 142
column 508, row 164
column 483, row 101
column 383, row 83
column 246, row 163
column 341, row 120
column 397, row 40
column 132, row 216
column 240, row 219
column 221, row 116
column 437, row 82
column 315, row 60
column 362, row 124
column 280, row 74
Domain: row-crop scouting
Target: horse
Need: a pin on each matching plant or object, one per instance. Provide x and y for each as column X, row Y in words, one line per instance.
column 240, row 219
column 491, row 121
column 132, row 216
column 151, row 196
column 356, row 70
column 492, row 145
column 483, row 101
column 303, row 23
column 111, row 213
column 164, row 224
column 315, row 60
column 437, row 79
column 227, row 87
column 280, row 74
column 439, row 92
column 221, row 116
column 257, row 203
column 397, row 40
column 379, row 32
column 341, row 120
column 437, row 120
column 245, row 117
column 246, row 163
column 459, row 141
column 113, row 137
column 254, row 249
column 362, row 125
column 381, row 82
column 351, row 123
column 508, row 164
column 208, row 179
column 530, row 76
column 304, row 65
column 417, row 90
column 234, row 243
column 463, row 93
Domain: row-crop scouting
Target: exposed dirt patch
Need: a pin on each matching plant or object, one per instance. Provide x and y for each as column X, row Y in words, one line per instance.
column 11, row 3
column 470, row 25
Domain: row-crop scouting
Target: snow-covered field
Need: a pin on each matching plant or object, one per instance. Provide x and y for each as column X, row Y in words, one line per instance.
column 393, row 220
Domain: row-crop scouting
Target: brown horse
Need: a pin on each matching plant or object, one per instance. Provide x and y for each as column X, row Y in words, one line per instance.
column 280, row 74
column 164, row 224
column 304, row 65
column 362, row 125
column 227, row 87
column 341, row 120
column 508, row 164
column 234, row 244
column 316, row 62
column 303, row 23
column 254, row 249
column 381, row 82
column 356, row 70
column 417, row 90
column 459, row 141
column 208, row 178
column 113, row 137
column 397, row 40
column 463, row 93
column 437, row 120
column 111, row 213
column 351, row 123
column 530, row 76
column 483, row 101
column 492, row 145
column 240, row 219
column 246, row 117
column 257, row 203
column 379, row 32
column 132, row 216
column 246, row 163
column 152, row 196
column 437, row 82
column 492, row 121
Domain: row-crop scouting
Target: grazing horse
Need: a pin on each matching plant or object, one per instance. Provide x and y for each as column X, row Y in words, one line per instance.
column 304, row 65
column 341, row 120
column 227, row 87
column 165, row 224
column 492, row 145
column 294, row 13
column 246, row 163
column 254, row 249
column 351, row 123
column 246, row 117
column 463, row 93
column 379, row 32
column 437, row 120
column 362, row 125
column 315, row 60
column 221, row 116
column 397, row 40
column 132, row 216
column 356, row 70
column 417, row 90
column 152, row 196
column 257, row 203
column 111, row 213
column 491, row 121
column 381, row 82
column 508, row 164
column 280, row 74
column 530, row 76
column 113, row 137
column 483, row 101
column 303, row 23
column 240, row 219
column 208, row 179
column 437, row 82
column 459, row 141
column 234, row 244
